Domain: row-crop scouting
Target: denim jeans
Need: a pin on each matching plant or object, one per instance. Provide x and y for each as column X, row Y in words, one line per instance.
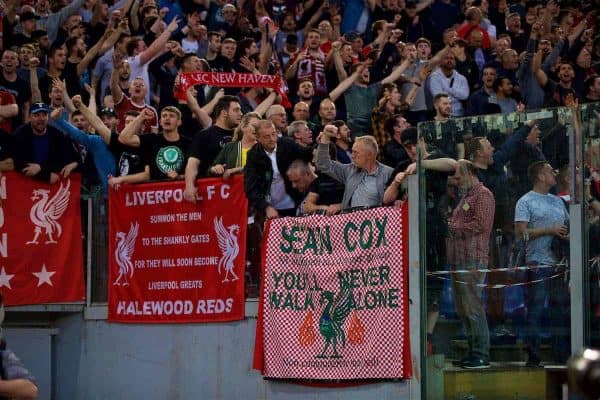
column 555, row 292
column 469, row 307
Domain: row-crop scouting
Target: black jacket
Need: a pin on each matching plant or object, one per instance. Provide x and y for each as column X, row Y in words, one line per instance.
column 258, row 172
column 60, row 151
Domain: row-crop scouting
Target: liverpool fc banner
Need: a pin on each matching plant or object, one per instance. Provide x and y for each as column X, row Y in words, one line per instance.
column 174, row 261
column 41, row 257
column 334, row 302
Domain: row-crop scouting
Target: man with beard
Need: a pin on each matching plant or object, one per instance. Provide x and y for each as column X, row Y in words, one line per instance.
column 207, row 144
column 306, row 94
column 164, row 154
column 476, row 105
column 447, row 80
column 310, row 63
column 592, row 89
column 555, row 92
column 502, row 96
column 10, row 82
column 443, row 133
column 214, row 46
column 41, row 151
column 136, row 99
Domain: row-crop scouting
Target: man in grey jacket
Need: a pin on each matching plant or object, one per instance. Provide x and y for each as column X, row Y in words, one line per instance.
column 532, row 92
column 365, row 178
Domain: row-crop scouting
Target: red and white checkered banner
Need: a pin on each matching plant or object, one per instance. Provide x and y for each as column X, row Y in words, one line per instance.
column 334, row 300
column 172, row 261
column 41, row 258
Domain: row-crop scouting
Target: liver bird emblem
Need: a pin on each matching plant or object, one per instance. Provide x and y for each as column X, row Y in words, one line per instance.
column 331, row 323
column 45, row 213
column 123, row 253
column 228, row 243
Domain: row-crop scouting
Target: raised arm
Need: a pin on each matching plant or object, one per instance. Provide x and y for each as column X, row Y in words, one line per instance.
column 202, row 113
column 93, row 119
column 536, row 66
column 62, row 87
column 159, row 44
column 36, row 95
column 346, row 83
column 128, row 135
column 264, row 105
column 397, row 73
column 115, row 89
column 337, row 61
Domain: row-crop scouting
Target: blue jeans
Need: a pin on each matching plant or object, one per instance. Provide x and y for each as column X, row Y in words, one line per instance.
column 555, row 291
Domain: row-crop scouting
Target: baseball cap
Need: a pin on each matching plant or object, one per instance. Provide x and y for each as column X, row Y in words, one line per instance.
column 409, row 136
column 38, row 107
column 27, row 15
column 108, row 112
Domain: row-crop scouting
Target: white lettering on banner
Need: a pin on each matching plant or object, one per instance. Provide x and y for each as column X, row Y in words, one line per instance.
column 4, row 246
column 224, row 191
column 214, row 306
column 3, row 188
column 171, row 285
column 177, row 307
column 153, row 198
column 163, row 218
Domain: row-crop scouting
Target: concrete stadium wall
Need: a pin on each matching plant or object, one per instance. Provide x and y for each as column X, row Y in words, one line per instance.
column 94, row 359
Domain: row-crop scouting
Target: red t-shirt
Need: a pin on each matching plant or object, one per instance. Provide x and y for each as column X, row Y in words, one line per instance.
column 5, row 99
column 127, row 105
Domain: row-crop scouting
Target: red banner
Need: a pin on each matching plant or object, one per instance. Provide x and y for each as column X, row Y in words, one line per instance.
column 172, row 261
column 231, row 79
column 41, row 252
column 334, row 303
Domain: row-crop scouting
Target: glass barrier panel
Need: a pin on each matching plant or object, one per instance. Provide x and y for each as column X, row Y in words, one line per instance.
column 590, row 133
column 496, row 251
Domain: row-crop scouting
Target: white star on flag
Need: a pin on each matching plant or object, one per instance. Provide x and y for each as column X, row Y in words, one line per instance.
column 5, row 278
column 44, row 276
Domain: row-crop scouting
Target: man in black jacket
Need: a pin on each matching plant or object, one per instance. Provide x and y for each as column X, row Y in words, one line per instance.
column 41, row 151
column 265, row 181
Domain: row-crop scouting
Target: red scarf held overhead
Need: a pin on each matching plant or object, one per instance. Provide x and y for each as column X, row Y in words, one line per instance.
column 231, row 79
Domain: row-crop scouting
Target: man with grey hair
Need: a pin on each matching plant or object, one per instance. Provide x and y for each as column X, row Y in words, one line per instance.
column 301, row 133
column 301, row 175
column 277, row 115
column 365, row 177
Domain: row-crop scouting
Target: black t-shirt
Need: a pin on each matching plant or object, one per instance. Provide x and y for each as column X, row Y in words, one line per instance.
column 72, row 80
column 163, row 156
column 128, row 158
column 20, row 89
column 330, row 191
column 207, row 144
column 5, row 145
column 443, row 136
